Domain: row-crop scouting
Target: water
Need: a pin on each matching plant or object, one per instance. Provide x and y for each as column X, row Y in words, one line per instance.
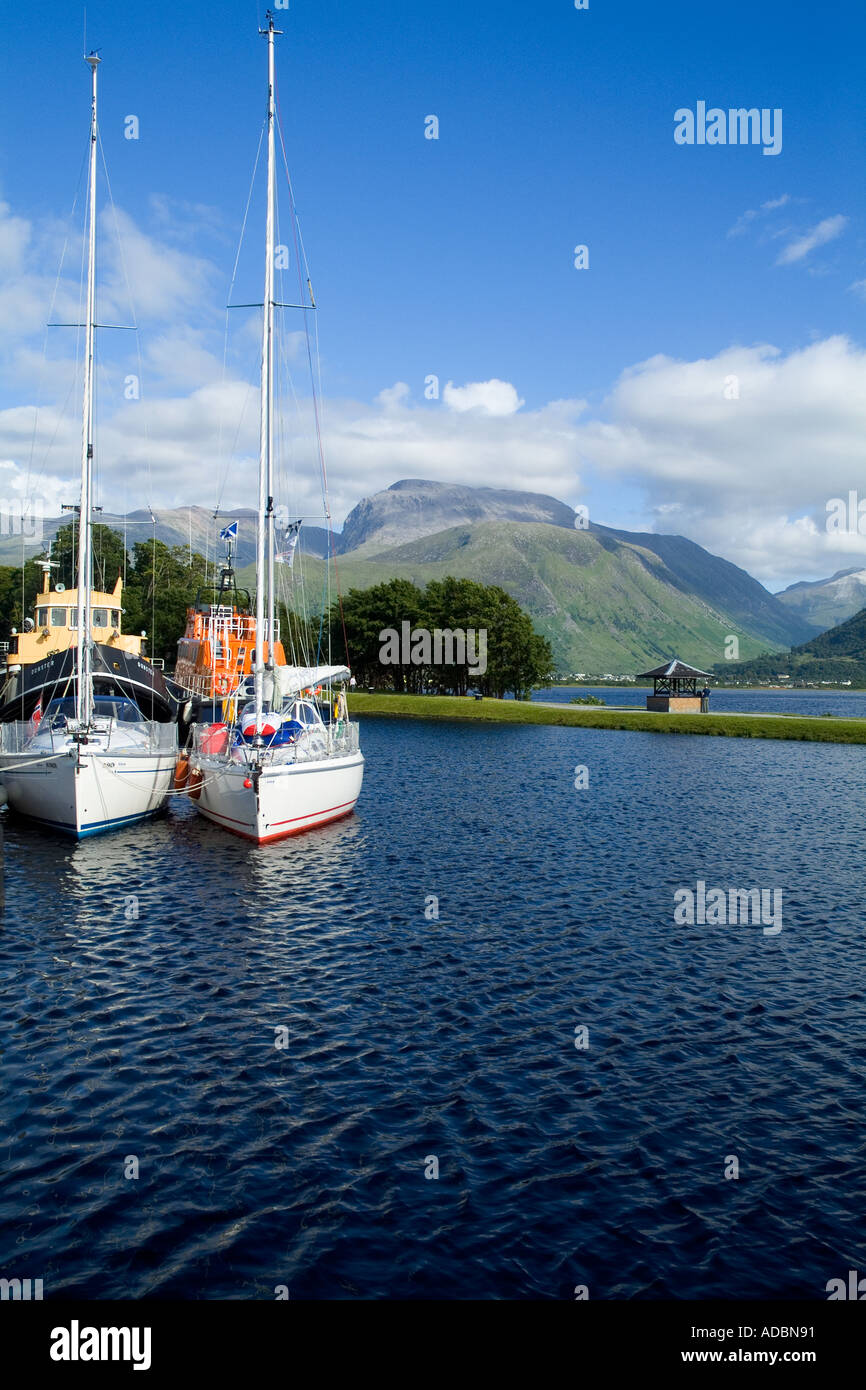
column 851, row 705
column 453, row 1038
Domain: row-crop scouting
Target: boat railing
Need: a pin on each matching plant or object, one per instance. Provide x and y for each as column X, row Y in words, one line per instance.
column 344, row 738
column 13, row 736
column 110, row 735
column 338, row 742
column 220, row 626
column 325, row 741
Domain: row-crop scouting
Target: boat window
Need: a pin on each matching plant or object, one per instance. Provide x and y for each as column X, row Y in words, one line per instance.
column 114, row 707
column 65, row 707
column 304, row 713
column 42, row 617
column 115, row 617
column 73, row 617
column 100, row 617
column 58, row 617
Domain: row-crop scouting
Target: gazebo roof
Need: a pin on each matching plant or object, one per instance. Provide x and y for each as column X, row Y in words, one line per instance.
column 675, row 669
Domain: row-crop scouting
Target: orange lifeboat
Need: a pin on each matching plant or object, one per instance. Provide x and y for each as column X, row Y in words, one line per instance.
column 217, row 650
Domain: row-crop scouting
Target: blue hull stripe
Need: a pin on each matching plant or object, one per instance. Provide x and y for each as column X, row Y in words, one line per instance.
column 93, row 828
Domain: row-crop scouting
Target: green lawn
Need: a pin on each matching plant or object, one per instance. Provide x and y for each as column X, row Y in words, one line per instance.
column 814, row 729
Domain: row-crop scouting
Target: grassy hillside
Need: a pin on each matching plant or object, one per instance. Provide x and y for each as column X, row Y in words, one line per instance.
column 837, row 655
column 604, row 604
column 725, row 587
column 826, row 602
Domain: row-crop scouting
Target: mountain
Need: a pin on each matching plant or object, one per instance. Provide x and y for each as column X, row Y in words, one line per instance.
column 605, row 604
column 174, row 526
column 836, row 655
column 390, row 532
column 416, row 507
column 721, row 584
column 608, row 600
column 824, row 602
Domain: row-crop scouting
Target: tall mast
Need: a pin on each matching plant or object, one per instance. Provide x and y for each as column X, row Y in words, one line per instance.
column 84, row 695
column 264, row 529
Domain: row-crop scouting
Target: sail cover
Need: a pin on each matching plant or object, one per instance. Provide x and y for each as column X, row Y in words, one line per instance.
column 291, row 679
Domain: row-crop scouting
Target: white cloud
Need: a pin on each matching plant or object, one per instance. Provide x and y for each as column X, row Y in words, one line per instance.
column 14, row 239
column 750, row 475
column 746, row 218
column 492, row 397
column 164, row 282
column 827, row 230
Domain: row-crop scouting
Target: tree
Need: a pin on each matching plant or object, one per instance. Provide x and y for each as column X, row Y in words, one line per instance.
column 367, row 613
column 516, row 656
column 108, row 556
column 161, row 585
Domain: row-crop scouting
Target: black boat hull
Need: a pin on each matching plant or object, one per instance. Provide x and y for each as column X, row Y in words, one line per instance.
column 115, row 672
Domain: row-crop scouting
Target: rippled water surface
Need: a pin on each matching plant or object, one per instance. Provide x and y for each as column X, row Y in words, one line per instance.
column 412, row 1039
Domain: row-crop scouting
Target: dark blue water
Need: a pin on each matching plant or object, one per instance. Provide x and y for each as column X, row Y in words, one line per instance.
column 412, row 1038
column 851, row 705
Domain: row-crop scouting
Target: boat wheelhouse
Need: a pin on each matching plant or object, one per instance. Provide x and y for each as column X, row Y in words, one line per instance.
column 218, row 648
column 54, row 624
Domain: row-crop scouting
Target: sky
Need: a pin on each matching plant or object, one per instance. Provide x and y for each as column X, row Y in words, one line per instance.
column 704, row 374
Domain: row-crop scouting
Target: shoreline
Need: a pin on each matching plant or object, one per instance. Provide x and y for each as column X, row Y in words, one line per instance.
column 734, row 689
column 808, row 728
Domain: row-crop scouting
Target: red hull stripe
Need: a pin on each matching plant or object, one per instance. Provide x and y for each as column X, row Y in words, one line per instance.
column 334, row 814
column 316, row 813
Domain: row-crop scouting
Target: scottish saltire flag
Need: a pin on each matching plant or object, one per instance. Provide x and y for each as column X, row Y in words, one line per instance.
column 286, row 555
column 229, row 533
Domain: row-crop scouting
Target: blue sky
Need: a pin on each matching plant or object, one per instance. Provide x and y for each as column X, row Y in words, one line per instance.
column 455, row 256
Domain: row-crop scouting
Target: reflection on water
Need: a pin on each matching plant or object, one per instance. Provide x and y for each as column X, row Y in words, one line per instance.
column 148, row 975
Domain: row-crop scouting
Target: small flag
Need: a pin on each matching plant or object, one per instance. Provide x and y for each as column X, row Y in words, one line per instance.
column 229, row 533
column 35, row 718
column 286, row 555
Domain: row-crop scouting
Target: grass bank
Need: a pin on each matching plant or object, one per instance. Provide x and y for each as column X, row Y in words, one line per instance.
column 813, row 729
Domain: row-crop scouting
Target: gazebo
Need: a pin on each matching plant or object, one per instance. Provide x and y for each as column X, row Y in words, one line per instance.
column 675, row 687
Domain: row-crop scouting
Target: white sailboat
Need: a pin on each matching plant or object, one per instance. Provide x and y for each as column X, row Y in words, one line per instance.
column 289, row 759
column 87, row 760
